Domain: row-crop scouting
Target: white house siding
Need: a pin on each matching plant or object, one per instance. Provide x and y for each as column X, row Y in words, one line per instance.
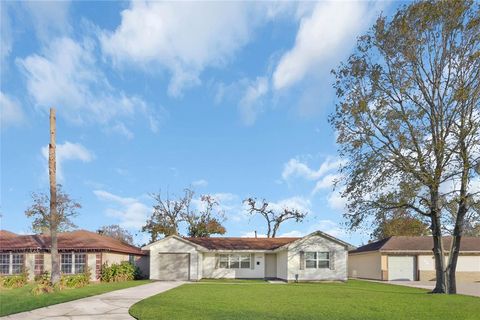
column 172, row 245
column 317, row 243
column 365, row 265
column 209, row 270
column 282, row 265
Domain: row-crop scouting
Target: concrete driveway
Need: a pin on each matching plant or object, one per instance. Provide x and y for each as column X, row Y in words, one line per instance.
column 111, row 305
column 467, row 288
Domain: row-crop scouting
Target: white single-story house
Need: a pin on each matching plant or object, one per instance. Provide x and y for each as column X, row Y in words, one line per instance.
column 411, row 258
column 317, row 256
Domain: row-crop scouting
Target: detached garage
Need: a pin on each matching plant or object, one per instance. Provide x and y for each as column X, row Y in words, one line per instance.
column 411, row 259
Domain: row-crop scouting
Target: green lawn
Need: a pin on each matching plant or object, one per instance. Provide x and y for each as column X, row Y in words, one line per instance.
column 20, row 299
column 351, row 300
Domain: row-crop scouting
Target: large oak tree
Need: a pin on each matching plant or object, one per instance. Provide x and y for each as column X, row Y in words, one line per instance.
column 408, row 121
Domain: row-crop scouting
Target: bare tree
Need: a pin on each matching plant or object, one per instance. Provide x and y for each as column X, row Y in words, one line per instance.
column 274, row 218
column 206, row 220
column 167, row 214
column 170, row 212
column 116, row 232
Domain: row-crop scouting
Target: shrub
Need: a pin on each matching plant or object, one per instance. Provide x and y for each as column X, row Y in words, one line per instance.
column 122, row 271
column 14, row 281
column 42, row 284
column 75, row 280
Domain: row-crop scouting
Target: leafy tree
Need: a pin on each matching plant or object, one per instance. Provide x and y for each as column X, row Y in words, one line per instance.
column 207, row 220
column 400, row 223
column 407, row 120
column 169, row 213
column 67, row 209
column 47, row 223
column 274, row 217
column 116, row 232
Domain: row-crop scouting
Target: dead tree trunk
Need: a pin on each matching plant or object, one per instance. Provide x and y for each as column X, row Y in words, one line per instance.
column 55, row 276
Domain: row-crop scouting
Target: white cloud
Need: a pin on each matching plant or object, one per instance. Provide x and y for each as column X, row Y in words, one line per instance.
column 67, row 151
column 293, row 233
column 327, row 182
column 335, row 200
column 10, row 111
column 49, row 18
column 250, row 104
column 181, row 37
column 300, row 203
column 67, row 76
column 130, row 211
column 331, row 27
column 121, row 129
column 296, row 168
column 6, row 38
column 200, row 183
column 328, row 226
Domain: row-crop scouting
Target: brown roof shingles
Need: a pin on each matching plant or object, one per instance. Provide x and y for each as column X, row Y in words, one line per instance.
column 241, row 243
column 424, row 243
column 75, row 240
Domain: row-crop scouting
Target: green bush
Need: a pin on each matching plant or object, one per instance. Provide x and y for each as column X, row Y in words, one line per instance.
column 122, row 271
column 14, row 281
column 75, row 280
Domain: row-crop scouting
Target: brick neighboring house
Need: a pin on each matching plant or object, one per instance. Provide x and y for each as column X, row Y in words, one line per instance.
column 78, row 250
column 411, row 258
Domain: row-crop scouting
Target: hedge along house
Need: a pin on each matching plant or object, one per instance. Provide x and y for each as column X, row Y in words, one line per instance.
column 78, row 251
column 317, row 256
column 411, row 259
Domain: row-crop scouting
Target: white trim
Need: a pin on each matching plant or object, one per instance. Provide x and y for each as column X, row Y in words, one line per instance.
column 316, row 233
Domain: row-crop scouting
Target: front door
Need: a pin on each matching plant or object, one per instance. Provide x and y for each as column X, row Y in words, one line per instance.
column 271, row 266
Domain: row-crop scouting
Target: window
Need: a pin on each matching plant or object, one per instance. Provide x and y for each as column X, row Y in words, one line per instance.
column 245, row 261
column 73, row 263
column 314, row 260
column 66, row 263
column 234, row 261
column 131, row 259
column 5, row 263
column 80, row 261
column 17, row 263
column 11, row 263
column 223, row 263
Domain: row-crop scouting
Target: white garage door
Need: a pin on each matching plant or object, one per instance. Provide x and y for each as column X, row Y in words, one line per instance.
column 401, row 268
column 174, row 266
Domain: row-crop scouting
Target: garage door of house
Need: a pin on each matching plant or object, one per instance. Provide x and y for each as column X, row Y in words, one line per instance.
column 401, row 268
column 174, row 266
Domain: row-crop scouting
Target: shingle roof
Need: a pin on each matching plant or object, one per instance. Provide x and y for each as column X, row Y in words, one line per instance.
column 241, row 243
column 75, row 240
column 424, row 243
column 7, row 234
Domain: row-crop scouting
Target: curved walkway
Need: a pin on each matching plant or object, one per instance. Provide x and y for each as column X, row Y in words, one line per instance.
column 111, row 305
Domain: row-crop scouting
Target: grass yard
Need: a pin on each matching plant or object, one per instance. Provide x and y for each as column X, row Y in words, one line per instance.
column 351, row 300
column 20, row 299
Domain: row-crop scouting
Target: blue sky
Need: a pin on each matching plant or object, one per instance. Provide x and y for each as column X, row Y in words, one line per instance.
column 231, row 99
